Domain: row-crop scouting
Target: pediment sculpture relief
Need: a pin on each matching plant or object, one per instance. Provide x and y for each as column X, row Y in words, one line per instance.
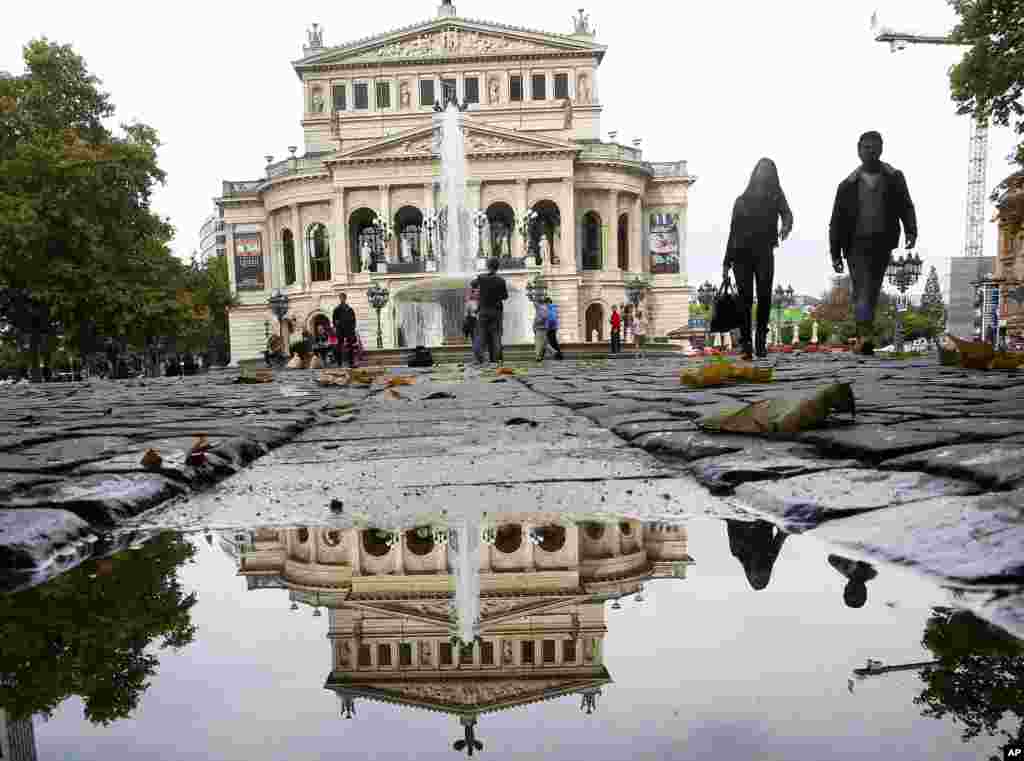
column 455, row 42
column 473, row 693
column 486, row 142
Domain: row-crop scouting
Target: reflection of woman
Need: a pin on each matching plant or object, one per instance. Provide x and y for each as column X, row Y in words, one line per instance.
column 753, row 236
column 756, row 545
column 858, row 574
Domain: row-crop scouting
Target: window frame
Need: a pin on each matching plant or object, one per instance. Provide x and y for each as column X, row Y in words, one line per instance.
column 288, row 256
column 335, row 88
column 382, row 86
column 554, row 85
column 475, row 79
column 534, row 78
column 319, row 262
column 512, row 79
column 433, row 93
column 355, row 95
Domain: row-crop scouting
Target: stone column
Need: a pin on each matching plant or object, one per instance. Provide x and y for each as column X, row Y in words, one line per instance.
column 636, row 237
column 301, row 265
column 615, row 540
column 339, row 246
column 385, row 213
column 400, row 555
column 611, row 262
column 229, row 241
column 530, row 559
column 522, row 196
column 567, row 247
column 355, row 554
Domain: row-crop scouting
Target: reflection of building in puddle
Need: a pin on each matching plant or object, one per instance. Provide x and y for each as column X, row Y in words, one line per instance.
column 390, row 598
column 17, row 739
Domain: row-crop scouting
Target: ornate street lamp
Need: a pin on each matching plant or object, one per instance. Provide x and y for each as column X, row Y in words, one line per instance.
column 781, row 299
column 430, row 221
column 537, row 289
column 590, row 695
column 348, row 706
column 523, row 221
column 706, row 297
column 378, row 297
column 384, row 234
column 480, row 220
column 903, row 272
column 279, row 303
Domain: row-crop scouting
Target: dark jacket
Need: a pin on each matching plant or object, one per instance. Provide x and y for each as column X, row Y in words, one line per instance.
column 493, row 292
column 344, row 318
column 756, row 226
column 896, row 201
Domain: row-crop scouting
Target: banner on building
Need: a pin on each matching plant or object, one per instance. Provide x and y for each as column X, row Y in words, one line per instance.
column 249, row 263
column 663, row 234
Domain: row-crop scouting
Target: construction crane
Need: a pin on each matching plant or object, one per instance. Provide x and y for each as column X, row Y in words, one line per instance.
column 977, row 158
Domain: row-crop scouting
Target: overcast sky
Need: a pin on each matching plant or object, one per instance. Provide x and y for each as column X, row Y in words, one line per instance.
column 718, row 84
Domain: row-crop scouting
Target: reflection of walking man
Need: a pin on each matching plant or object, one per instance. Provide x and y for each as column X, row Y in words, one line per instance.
column 865, row 228
column 756, row 545
column 858, row 574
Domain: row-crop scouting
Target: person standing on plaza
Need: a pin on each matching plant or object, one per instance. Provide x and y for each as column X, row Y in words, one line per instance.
column 639, row 329
column 552, row 328
column 493, row 293
column 871, row 203
column 344, row 318
column 616, row 322
column 750, row 253
column 540, row 329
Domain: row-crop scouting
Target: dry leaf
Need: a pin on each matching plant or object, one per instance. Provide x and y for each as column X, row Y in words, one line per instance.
column 505, row 371
column 784, row 415
column 151, row 459
column 392, row 394
column 400, row 380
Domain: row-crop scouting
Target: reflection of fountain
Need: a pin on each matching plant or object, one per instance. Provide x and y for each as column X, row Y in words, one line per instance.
column 465, row 541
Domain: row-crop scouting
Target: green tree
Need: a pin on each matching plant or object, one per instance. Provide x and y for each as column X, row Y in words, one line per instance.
column 979, row 679
column 988, row 82
column 88, row 632
column 77, row 234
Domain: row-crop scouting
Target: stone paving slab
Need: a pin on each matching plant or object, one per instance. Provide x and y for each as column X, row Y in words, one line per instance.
column 970, row 539
column 995, row 464
column 806, row 501
column 876, row 442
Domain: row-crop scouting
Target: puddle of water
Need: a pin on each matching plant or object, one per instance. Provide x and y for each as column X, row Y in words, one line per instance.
column 703, row 639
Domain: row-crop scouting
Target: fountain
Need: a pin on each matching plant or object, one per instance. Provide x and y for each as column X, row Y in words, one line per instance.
column 465, row 553
column 429, row 312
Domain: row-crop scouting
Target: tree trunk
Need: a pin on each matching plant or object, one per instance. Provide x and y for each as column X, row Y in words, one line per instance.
column 35, row 344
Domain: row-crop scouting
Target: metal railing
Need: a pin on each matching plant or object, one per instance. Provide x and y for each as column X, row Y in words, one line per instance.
column 669, row 168
column 610, row 151
column 241, row 187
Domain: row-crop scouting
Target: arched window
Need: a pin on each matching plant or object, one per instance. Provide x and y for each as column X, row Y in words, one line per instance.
column 288, row 254
column 624, row 242
column 592, row 253
column 318, row 250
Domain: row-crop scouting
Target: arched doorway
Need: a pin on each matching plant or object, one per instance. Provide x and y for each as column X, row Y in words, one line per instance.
column 624, row 242
column 362, row 234
column 545, row 231
column 592, row 249
column 319, row 252
column 594, row 318
column 408, row 224
column 501, row 221
column 288, row 255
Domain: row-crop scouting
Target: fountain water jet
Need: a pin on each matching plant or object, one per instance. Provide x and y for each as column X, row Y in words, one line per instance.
column 465, row 541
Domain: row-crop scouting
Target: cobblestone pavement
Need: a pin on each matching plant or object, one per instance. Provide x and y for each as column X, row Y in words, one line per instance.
column 929, row 474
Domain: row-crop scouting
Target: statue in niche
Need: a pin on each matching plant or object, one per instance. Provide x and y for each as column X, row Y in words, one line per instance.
column 814, row 332
column 567, row 112
column 365, row 255
column 424, row 653
column 545, row 249
column 493, row 92
column 404, row 98
column 344, row 654
column 506, row 653
column 318, row 102
column 583, row 89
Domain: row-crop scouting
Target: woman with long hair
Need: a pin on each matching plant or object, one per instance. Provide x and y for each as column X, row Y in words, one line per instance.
column 753, row 236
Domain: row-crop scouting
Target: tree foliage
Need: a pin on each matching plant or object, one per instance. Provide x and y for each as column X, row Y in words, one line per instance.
column 80, row 245
column 989, row 80
column 979, row 680
column 88, row 632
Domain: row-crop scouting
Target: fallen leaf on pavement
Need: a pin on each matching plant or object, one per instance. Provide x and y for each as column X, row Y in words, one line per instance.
column 783, row 415
column 400, row 380
column 392, row 394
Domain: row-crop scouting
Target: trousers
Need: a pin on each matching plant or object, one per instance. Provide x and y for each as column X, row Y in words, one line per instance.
column 488, row 328
column 748, row 266
column 553, row 340
column 868, row 259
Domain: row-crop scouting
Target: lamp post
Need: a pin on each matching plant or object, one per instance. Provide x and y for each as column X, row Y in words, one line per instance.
column 279, row 303
column 480, row 220
column 589, row 703
column 378, row 297
column 430, row 221
column 903, row 272
column 782, row 298
column 706, row 297
column 384, row 234
column 523, row 221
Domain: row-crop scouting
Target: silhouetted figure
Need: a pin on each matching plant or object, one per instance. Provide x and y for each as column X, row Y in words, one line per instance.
column 493, row 293
column 865, row 228
column 858, row 573
column 756, row 545
column 470, row 744
column 753, row 235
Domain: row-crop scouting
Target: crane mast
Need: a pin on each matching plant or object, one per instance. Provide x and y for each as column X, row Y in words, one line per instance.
column 977, row 157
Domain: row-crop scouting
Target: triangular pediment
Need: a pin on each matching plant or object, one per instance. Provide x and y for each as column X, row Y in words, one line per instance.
column 449, row 38
column 475, row 694
column 492, row 610
column 480, row 139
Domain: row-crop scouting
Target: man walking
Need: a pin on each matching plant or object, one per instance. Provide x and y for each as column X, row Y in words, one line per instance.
column 493, row 293
column 865, row 228
column 616, row 322
column 553, row 328
column 344, row 318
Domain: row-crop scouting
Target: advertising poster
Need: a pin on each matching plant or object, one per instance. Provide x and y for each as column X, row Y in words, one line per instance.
column 663, row 234
column 249, row 263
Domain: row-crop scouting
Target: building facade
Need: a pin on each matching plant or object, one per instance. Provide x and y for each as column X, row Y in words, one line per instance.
column 532, row 143
column 543, row 587
column 1009, row 260
column 212, row 238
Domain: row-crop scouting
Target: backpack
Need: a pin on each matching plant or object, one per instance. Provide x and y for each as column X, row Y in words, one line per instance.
column 421, row 356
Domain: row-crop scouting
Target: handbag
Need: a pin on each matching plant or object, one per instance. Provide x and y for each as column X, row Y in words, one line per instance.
column 726, row 311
